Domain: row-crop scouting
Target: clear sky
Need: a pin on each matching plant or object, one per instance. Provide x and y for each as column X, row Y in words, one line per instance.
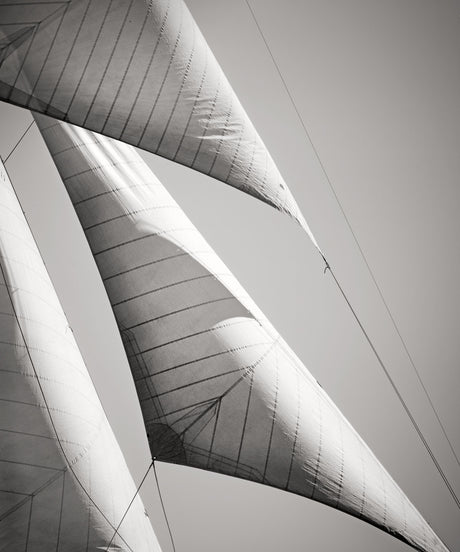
column 378, row 86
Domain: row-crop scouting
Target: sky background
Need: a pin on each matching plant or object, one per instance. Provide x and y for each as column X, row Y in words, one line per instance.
column 378, row 86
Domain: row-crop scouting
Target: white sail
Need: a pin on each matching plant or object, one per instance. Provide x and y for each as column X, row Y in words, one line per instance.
column 218, row 387
column 140, row 72
column 64, row 484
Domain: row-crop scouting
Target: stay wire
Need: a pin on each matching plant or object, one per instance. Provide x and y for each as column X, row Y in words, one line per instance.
column 163, row 506
column 328, row 267
column 129, row 506
column 19, row 141
column 398, row 394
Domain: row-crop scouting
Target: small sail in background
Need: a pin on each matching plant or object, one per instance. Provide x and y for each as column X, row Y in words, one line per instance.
column 218, row 387
column 140, row 72
column 64, row 484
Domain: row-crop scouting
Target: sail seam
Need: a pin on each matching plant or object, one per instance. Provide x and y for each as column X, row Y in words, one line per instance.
column 158, row 94
column 66, row 7
column 192, row 111
column 69, row 55
column 184, row 337
column 106, row 69
column 125, row 73
column 152, row 235
column 167, row 286
column 184, row 79
column 88, row 60
column 191, row 307
column 129, row 214
column 147, row 71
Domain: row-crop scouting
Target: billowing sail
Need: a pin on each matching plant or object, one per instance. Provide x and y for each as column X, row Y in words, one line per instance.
column 64, row 484
column 218, row 387
column 140, row 72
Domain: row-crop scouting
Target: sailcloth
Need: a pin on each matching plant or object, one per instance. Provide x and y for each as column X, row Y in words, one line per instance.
column 64, row 484
column 218, row 387
column 141, row 72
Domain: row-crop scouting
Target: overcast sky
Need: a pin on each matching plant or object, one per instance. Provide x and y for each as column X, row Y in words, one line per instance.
column 378, row 87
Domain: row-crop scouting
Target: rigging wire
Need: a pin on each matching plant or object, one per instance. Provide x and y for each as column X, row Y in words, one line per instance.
column 18, row 142
column 163, row 505
column 328, row 267
column 129, row 506
column 398, row 394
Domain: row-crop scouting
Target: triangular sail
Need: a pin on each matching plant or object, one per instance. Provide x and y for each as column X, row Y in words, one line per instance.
column 140, row 72
column 64, row 484
column 218, row 387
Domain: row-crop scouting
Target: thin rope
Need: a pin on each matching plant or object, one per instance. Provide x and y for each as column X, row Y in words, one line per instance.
column 398, row 394
column 163, row 506
column 18, row 142
column 307, row 134
column 129, row 505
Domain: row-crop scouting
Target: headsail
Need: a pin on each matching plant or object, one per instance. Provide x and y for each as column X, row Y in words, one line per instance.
column 64, row 484
column 218, row 387
column 140, row 72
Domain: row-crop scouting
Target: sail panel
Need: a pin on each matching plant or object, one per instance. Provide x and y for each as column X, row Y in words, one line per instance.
column 140, row 72
column 218, row 387
column 64, row 484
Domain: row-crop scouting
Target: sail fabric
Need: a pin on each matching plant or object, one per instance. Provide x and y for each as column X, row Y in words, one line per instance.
column 219, row 388
column 64, row 484
column 141, row 72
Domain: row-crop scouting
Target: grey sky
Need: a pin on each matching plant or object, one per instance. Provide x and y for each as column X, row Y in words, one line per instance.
column 377, row 84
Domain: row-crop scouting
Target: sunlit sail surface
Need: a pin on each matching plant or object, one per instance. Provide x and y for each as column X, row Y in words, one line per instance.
column 140, row 72
column 64, row 484
column 218, row 387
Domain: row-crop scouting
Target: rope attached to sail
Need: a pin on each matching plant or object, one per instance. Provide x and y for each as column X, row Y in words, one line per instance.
column 129, row 505
column 160, row 496
column 18, row 141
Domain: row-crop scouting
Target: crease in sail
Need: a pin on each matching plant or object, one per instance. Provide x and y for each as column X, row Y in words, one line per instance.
column 218, row 387
column 64, row 484
column 140, row 72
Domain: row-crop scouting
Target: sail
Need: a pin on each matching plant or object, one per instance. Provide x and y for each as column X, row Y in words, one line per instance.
column 218, row 387
column 140, row 72
column 64, row 484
